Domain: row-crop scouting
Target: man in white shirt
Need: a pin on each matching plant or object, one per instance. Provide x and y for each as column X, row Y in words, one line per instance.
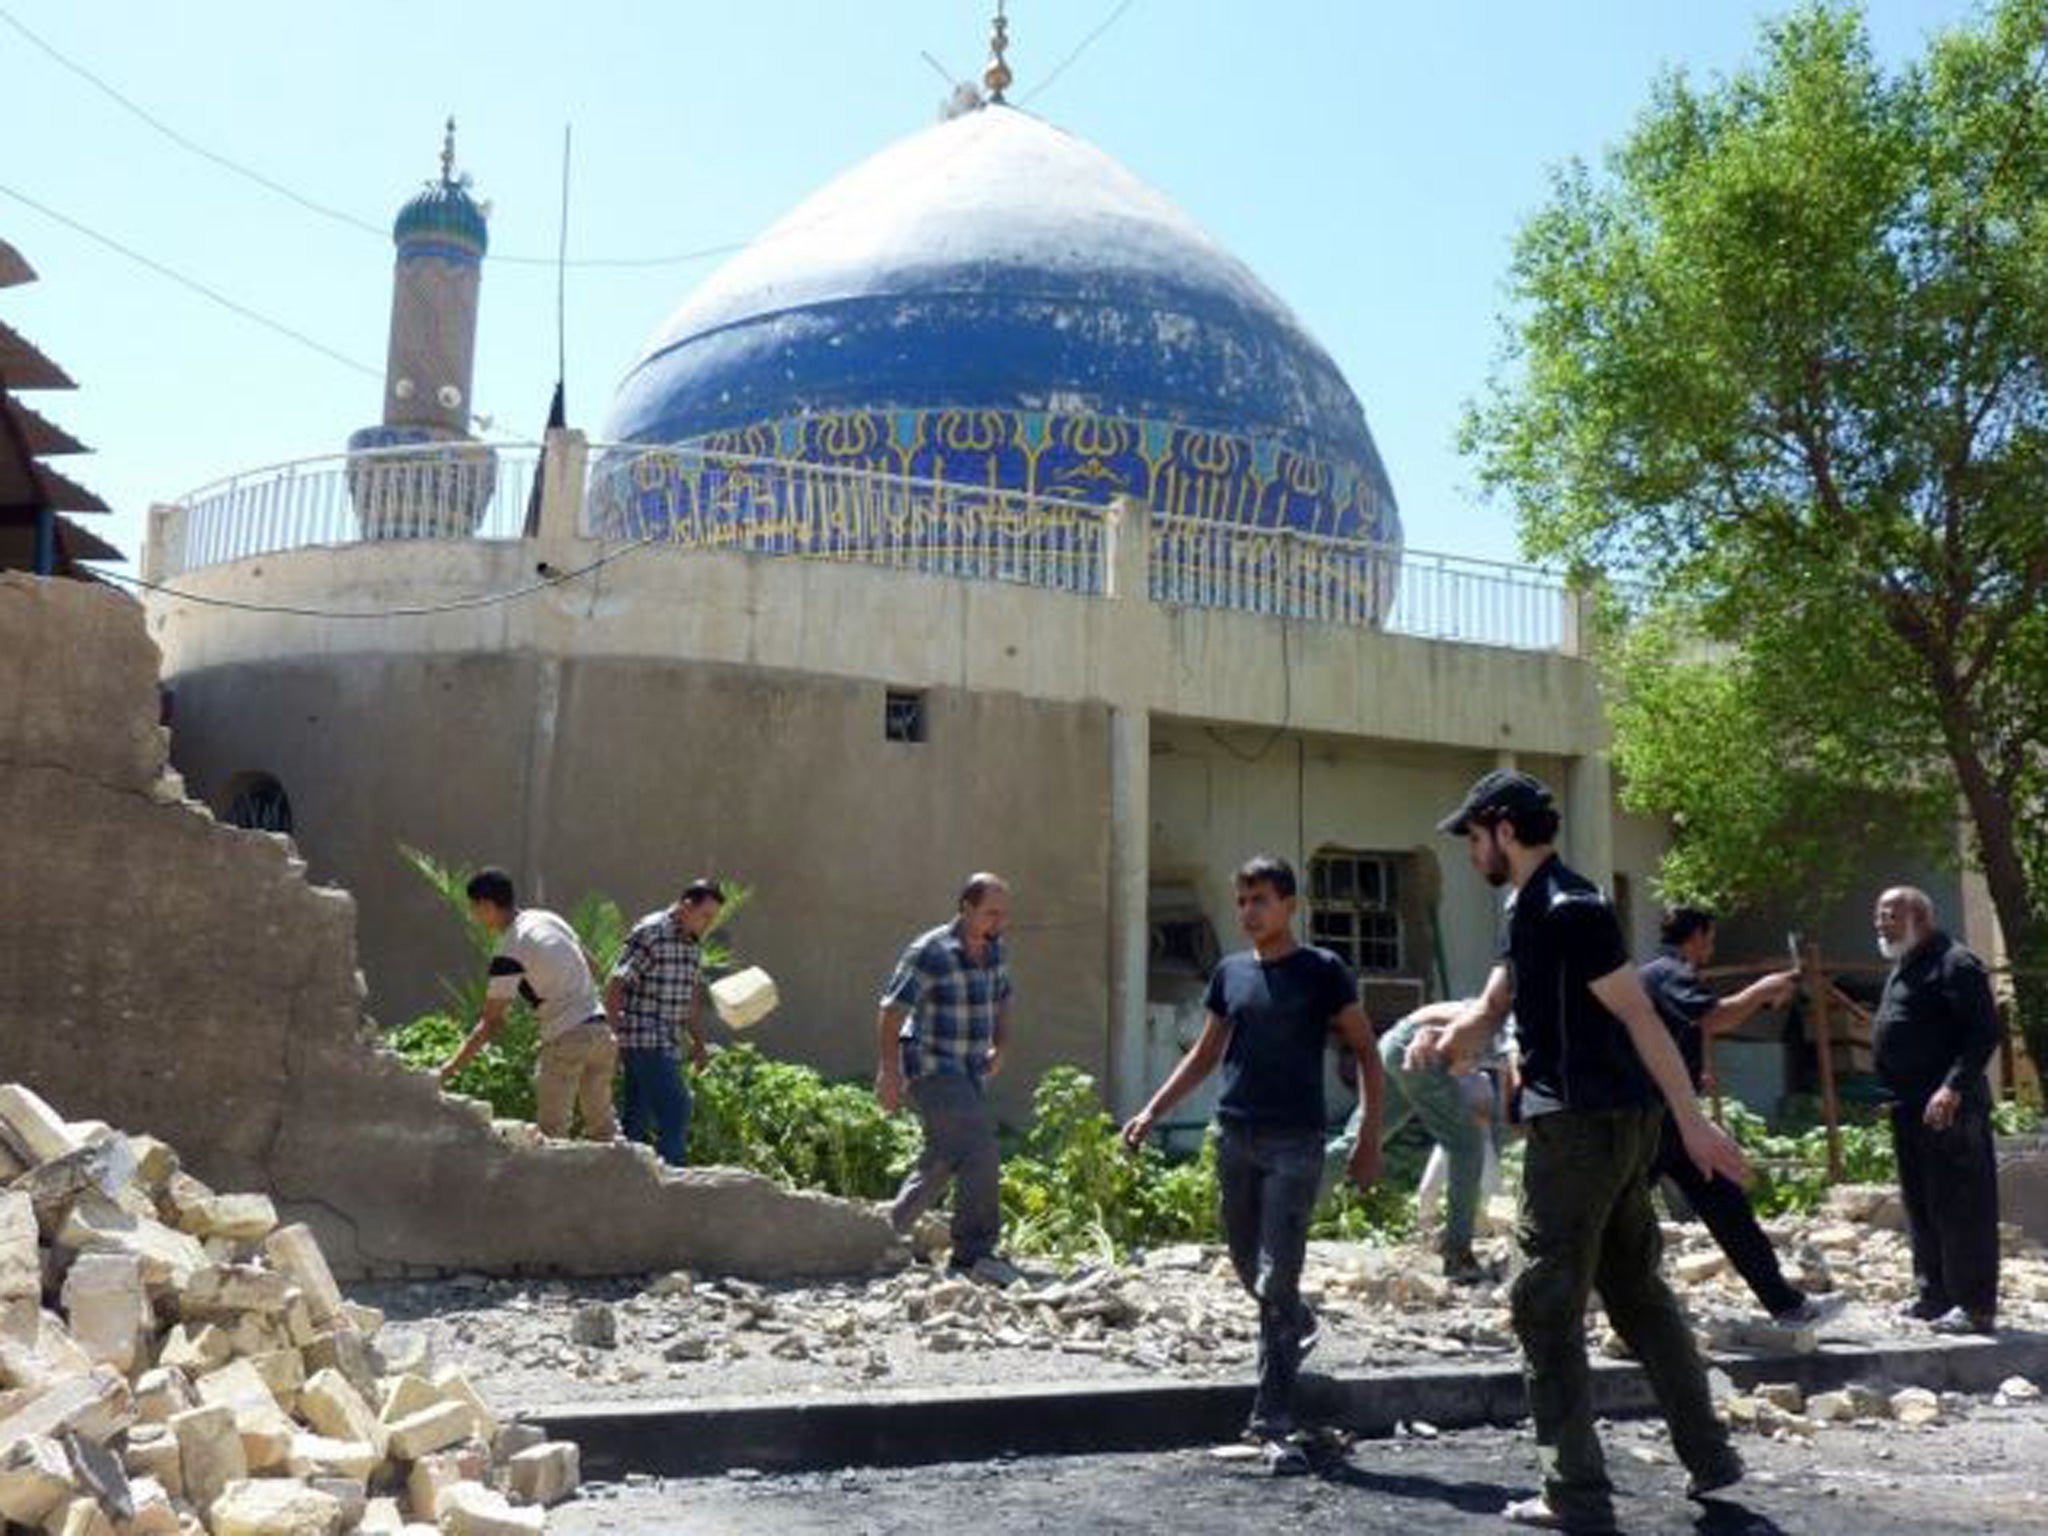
column 539, row 959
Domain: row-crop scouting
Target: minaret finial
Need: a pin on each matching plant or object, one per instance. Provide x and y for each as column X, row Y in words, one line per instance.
column 997, row 75
column 448, row 154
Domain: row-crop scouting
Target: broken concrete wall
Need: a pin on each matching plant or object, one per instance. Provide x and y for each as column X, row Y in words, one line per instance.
column 169, row 974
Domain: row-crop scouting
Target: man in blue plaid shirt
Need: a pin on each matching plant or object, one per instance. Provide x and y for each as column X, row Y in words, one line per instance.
column 653, row 997
column 943, row 1026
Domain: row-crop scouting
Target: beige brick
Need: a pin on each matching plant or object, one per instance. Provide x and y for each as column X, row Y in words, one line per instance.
column 155, row 1162
column 95, row 1224
column 209, row 1452
column 331, row 1404
column 298, row 1320
column 195, row 1348
column 346, row 1351
column 35, row 1347
column 368, row 1321
column 432, row 1476
column 267, row 1447
column 182, row 1197
column 107, row 1308
column 381, row 1517
column 240, row 1386
column 152, row 1452
column 431, row 1429
column 544, row 1475
column 352, row 1493
column 234, row 1218
column 320, row 1456
column 231, row 1289
column 284, row 1373
column 81, row 1517
column 293, row 1250
column 274, row 1506
column 1695, row 1268
column 470, row 1509
column 96, row 1403
column 161, row 1392
column 254, row 1334
column 155, row 1514
column 21, row 1261
column 35, row 1478
column 33, row 1129
column 455, row 1387
column 406, row 1395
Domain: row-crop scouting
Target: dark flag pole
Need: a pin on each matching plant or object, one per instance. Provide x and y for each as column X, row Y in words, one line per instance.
column 558, row 409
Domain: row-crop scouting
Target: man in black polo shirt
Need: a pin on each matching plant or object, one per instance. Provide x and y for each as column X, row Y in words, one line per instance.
column 1692, row 1012
column 1933, row 1034
column 1269, row 1016
column 1595, row 1060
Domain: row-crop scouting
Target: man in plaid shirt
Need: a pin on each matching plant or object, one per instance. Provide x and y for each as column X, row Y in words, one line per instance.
column 943, row 1026
column 652, row 996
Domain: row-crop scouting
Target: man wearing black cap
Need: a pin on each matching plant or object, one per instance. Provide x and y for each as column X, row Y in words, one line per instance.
column 1598, row 1070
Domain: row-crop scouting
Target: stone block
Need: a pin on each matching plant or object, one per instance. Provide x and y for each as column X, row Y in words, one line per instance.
column 81, row 1517
column 155, row 1161
column 432, row 1476
column 1867, row 1401
column 368, row 1321
column 431, row 1429
column 1698, row 1268
column 353, row 1494
column 151, row 1454
column 195, row 1348
column 471, row 1509
column 21, row 1260
column 35, row 1478
column 331, row 1404
column 251, row 1333
column 231, row 1218
column 346, row 1351
column 1916, row 1405
column 36, row 1132
column 1785, row 1396
column 284, row 1373
column 182, row 1197
column 1831, row 1408
column 455, row 1387
column 294, row 1250
column 161, row 1392
column 108, row 1308
column 514, row 1438
column 215, row 1290
column 209, row 1452
column 95, row 1168
column 35, row 1348
column 405, row 1396
column 240, row 1386
column 154, row 1512
column 274, row 1506
column 96, row 1403
column 545, row 1474
column 381, row 1517
column 96, row 1224
column 321, row 1456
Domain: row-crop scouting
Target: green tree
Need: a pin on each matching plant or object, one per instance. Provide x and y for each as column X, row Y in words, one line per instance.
column 1780, row 360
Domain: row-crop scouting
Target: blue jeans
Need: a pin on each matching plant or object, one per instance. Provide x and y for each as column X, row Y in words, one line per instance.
column 1268, row 1178
column 656, row 1097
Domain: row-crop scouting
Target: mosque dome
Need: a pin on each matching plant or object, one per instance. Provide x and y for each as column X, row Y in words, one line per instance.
column 994, row 301
column 442, row 212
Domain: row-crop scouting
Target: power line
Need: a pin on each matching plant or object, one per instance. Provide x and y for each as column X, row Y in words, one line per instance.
column 193, row 283
column 1078, row 49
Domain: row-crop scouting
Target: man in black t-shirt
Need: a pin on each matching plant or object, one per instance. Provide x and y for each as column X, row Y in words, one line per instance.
column 1692, row 1012
column 1269, row 1016
column 1595, row 1061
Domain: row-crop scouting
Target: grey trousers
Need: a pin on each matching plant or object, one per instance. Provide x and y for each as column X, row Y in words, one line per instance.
column 959, row 1148
column 1269, row 1178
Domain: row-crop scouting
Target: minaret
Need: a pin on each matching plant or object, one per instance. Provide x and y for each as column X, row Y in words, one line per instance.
column 441, row 237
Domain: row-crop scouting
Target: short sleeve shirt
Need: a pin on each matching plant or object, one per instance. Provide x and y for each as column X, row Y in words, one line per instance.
column 1562, row 937
column 952, row 1003
column 539, row 958
column 1280, row 1013
column 1682, row 1000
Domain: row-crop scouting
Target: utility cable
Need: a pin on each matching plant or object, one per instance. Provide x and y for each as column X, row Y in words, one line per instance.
column 1075, row 53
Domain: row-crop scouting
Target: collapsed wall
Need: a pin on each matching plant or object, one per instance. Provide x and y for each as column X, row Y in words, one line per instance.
column 165, row 973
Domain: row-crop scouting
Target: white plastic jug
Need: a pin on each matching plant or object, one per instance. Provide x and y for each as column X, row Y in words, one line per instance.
column 744, row 998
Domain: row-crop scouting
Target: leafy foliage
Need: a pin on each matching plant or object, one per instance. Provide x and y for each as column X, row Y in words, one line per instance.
column 1782, row 362
column 786, row 1121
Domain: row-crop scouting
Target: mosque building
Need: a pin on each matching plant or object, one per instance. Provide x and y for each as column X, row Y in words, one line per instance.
column 982, row 513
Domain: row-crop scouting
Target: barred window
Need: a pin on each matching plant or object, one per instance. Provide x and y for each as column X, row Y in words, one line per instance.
column 1354, row 908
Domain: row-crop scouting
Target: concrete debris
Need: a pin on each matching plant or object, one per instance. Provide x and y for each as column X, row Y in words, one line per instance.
column 175, row 1363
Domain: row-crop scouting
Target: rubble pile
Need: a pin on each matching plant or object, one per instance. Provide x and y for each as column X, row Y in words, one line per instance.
column 173, row 1361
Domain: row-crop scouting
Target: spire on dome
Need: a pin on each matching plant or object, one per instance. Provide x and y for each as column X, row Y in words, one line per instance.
column 448, row 155
column 997, row 75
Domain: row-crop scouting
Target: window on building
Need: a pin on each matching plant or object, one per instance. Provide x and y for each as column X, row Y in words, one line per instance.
column 258, row 801
column 1354, row 908
column 903, row 715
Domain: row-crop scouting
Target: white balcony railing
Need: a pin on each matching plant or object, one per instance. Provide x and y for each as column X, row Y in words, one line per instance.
column 688, row 500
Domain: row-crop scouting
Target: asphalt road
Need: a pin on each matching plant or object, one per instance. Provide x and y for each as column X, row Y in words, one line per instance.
column 1986, row 1472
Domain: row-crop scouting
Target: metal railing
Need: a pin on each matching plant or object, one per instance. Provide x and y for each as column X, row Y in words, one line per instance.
column 696, row 500
column 417, row 491
column 1328, row 580
column 691, row 500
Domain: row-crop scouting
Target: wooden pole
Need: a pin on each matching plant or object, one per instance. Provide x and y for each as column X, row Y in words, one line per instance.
column 1817, row 990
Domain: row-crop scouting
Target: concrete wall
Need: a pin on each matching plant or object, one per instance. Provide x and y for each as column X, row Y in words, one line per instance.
column 628, row 776
column 171, row 975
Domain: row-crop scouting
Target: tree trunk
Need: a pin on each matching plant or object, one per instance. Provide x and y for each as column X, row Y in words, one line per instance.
column 2024, row 927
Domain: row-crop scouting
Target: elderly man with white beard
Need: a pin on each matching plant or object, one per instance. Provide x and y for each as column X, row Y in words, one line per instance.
column 1933, row 1034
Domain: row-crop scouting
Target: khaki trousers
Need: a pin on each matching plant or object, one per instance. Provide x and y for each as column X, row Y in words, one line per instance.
column 576, row 1068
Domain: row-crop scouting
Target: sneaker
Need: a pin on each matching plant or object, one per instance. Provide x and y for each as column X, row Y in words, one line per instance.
column 1462, row 1267
column 1811, row 1311
column 1918, row 1311
column 1286, row 1459
column 1536, row 1511
column 1957, row 1321
column 1727, row 1474
column 1311, row 1333
column 992, row 1270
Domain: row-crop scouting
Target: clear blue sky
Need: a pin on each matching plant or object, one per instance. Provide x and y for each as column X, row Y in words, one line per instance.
column 1370, row 161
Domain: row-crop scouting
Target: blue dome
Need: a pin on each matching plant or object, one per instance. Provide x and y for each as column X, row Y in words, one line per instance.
column 442, row 213
column 994, row 301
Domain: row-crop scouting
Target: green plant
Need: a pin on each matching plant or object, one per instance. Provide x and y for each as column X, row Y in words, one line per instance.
column 786, row 1121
